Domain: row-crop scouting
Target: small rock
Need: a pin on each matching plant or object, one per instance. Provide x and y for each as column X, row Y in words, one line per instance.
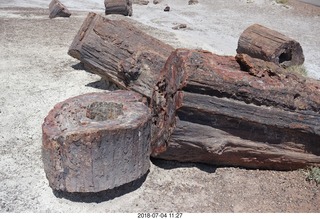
column 167, row 8
column 141, row 2
column 179, row 26
column 57, row 9
column 156, row 1
column 193, row 2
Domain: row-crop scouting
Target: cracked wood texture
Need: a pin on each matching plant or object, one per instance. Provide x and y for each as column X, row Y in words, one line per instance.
column 96, row 141
column 261, row 118
column 261, row 42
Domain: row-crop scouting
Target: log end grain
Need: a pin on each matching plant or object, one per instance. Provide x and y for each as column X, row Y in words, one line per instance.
column 96, row 141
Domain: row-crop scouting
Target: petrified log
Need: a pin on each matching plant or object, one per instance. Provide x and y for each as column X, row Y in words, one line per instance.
column 120, row 52
column 265, row 120
column 260, row 42
column 57, row 9
column 96, row 141
column 123, row 7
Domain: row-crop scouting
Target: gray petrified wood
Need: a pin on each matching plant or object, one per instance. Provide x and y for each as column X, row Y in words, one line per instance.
column 123, row 7
column 96, row 141
column 57, row 9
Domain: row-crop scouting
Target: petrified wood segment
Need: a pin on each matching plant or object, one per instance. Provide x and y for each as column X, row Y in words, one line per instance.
column 96, row 141
column 261, row 42
column 123, row 7
column 57, row 9
column 260, row 113
column 120, row 52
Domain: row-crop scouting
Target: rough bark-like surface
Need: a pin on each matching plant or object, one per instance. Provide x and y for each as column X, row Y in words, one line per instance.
column 260, row 42
column 262, row 108
column 120, row 52
column 123, row 7
column 57, row 9
column 96, row 141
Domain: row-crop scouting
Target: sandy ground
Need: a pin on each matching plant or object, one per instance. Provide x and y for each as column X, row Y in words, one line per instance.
column 36, row 73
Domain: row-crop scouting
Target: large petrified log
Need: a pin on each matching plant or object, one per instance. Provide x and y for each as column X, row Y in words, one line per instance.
column 269, row 45
column 123, row 7
column 57, row 9
column 262, row 119
column 96, row 141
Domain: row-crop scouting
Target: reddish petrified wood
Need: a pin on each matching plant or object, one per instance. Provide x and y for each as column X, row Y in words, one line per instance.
column 261, row 42
column 57, row 9
column 260, row 112
column 96, row 141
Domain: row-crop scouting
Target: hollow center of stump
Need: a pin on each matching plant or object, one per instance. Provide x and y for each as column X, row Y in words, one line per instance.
column 102, row 111
column 285, row 56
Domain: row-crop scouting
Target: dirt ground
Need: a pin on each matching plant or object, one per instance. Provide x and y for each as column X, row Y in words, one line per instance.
column 36, row 73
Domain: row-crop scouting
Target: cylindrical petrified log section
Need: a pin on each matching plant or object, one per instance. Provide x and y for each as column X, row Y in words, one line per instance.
column 57, row 9
column 123, row 7
column 263, row 43
column 96, row 141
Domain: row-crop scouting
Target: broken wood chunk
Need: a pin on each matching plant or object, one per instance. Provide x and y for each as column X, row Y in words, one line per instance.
column 263, row 43
column 96, row 141
column 123, row 7
column 57, row 9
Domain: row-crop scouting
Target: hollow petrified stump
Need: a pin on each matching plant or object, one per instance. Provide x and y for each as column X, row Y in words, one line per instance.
column 123, row 7
column 57, row 9
column 96, row 141
column 263, row 43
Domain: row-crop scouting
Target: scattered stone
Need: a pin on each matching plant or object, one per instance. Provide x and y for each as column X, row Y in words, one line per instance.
column 57, row 9
column 96, row 141
column 193, row 2
column 141, row 2
column 157, row 1
column 167, row 8
column 179, row 26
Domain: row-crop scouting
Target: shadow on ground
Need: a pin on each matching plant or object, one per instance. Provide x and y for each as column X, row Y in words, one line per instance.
column 102, row 196
column 167, row 165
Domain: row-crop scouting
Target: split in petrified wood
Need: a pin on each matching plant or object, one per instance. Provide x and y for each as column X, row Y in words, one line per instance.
column 96, row 141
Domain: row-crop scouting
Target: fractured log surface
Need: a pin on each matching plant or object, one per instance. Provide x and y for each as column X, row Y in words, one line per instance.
column 96, row 141
column 259, row 113
column 123, row 7
column 57, row 9
column 261, row 42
